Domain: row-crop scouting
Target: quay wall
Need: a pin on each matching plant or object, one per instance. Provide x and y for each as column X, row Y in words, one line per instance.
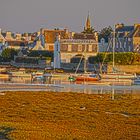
column 126, row 68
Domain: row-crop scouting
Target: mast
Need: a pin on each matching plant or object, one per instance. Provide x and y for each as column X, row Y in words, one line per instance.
column 114, row 48
column 85, row 60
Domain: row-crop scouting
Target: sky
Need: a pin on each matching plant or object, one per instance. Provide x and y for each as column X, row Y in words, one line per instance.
column 31, row 15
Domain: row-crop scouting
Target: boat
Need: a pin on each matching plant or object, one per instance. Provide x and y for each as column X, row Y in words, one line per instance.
column 41, row 77
column 84, row 77
column 5, row 74
column 87, row 77
column 136, row 81
column 118, row 76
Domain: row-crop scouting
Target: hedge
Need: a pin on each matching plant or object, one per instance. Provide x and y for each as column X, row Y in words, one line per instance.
column 121, row 58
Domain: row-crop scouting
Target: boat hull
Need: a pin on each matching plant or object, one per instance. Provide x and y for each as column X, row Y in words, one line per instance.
column 4, row 76
column 86, row 79
column 118, row 76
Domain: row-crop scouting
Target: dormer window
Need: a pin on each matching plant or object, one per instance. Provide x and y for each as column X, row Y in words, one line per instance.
column 102, row 41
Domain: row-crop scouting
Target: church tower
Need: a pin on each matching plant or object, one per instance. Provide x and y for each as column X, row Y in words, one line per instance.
column 88, row 26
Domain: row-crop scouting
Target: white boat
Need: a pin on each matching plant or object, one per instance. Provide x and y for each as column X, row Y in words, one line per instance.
column 41, row 77
column 21, row 74
column 118, row 76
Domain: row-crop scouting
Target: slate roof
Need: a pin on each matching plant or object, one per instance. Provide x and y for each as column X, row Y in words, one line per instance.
column 125, row 29
column 83, row 36
column 17, row 43
column 137, row 32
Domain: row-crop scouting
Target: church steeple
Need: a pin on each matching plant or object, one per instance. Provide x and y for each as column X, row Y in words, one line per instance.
column 88, row 29
column 88, row 26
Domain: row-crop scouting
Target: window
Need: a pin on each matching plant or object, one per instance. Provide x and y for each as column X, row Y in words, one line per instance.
column 69, row 48
column 79, row 48
column 90, row 48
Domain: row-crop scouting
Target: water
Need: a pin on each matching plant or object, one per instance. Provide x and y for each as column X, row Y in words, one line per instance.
column 59, row 85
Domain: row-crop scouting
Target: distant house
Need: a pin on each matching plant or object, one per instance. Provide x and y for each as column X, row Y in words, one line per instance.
column 103, row 45
column 50, row 37
column 127, row 39
column 37, row 42
column 136, row 38
column 11, row 40
column 15, row 44
column 38, row 46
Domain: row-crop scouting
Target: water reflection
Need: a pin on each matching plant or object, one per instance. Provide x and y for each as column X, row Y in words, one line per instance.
column 65, row 86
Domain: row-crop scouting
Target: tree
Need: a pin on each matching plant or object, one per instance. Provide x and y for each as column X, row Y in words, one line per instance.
column 41, row 54
column 89, row 31
column 8, row 54
column 105, row 33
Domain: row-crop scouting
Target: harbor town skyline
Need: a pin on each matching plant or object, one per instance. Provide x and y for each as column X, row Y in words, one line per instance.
column 29, row 16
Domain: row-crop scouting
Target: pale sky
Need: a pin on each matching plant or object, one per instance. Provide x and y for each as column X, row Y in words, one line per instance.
column 31, row 15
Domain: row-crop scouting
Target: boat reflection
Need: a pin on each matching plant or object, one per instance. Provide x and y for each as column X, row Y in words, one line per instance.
column 60, row 85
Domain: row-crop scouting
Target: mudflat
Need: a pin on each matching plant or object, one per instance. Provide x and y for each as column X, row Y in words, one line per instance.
column 69, row 116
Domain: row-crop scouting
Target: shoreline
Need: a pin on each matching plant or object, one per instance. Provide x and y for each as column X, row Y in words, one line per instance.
column 79, row 88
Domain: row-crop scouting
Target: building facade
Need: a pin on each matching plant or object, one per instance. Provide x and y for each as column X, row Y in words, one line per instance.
column 50, row 37
column 136, row 38
column 72, row 48
column 79, row 45
column 126, row 38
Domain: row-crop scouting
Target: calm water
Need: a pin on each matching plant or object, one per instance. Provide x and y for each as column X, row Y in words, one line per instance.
column 20, row 83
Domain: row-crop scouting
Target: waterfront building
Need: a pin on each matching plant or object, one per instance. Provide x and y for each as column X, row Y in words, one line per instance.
column 79, row 45
column 127, row 38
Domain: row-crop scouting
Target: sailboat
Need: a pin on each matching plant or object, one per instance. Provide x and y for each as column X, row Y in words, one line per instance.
column 115, row 73
column 84, row 77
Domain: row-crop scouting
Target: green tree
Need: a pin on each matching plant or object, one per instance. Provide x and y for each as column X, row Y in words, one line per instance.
column 8, row 54
column 89, row 31
column 105, row 33
column 41, row 54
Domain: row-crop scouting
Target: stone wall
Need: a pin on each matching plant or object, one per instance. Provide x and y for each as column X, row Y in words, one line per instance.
column 126, row 68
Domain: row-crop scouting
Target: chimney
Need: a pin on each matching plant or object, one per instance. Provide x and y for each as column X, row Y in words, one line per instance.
column 120, row 25
column 136, row 25
column 18, row 36
column 96, row 36
column 9, row 36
